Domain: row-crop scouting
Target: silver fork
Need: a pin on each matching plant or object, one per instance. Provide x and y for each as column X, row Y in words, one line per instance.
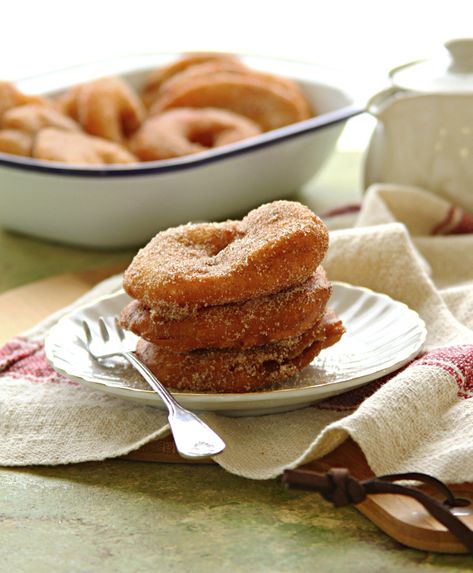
column 193, row 438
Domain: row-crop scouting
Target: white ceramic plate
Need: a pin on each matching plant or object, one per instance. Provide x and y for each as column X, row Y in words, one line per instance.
column 381, row 336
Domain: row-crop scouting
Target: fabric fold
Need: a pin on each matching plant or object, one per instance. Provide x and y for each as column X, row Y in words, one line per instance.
column 408, row 244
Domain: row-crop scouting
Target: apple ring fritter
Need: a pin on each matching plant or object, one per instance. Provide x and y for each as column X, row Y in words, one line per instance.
column 183, row 131
column 245, row 370
column 73, row 148
column 276, row 246
column 254, row 322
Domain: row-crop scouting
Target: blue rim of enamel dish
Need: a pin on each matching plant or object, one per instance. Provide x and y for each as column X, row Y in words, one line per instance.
column 191, row 161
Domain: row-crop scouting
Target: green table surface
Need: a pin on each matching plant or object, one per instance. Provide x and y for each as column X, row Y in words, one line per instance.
column 124, row 516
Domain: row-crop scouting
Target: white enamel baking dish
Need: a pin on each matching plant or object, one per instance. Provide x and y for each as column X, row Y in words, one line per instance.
column 123, row 206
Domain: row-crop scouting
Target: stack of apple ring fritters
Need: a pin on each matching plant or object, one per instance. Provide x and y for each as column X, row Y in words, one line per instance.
column 233, row 306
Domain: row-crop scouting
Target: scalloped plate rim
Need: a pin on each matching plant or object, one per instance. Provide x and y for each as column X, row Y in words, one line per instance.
column 302, row 395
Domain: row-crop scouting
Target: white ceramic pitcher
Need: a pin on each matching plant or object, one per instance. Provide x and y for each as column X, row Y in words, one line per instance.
column 424, row 134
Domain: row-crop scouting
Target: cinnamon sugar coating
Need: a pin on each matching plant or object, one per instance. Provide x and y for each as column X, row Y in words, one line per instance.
column 275, row 247
column 254, row 322
column 233, row 306
column 246, row 370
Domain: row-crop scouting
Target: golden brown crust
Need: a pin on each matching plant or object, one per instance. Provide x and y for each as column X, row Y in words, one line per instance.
column 16, row 142
column 157, row 78
column 31, row 118
column 292, row 89
column 11, row 97
column 66, row 103
column 208, row 70
column 251, row 323
column 200, row 70
column 268, row 103
column 184, row 131
column 106, row 108
column 274, row 247
column 239, row 370
column 73, row 148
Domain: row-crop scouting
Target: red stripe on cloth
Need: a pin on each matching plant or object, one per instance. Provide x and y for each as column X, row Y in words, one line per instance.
column 25, row 359
column 342, row 210
column 456, row 222
column 442, row 227
column 456, row 361
column 15, row 350
column 464, row 226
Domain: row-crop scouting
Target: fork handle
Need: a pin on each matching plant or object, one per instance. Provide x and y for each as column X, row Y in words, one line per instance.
column 193, row 438
column 155, row 384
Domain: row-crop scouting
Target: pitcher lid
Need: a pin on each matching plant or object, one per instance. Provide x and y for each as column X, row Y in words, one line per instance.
column 450, row 72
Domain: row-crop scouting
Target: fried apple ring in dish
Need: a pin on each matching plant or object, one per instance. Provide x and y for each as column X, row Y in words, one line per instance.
column 73, row 148
column 66, row 103
column 209, row 69
column 240, row 370
column 251, row 323
column 16, row 142
column 276, row 246
column 268, row 103
column 106, row 107
column 156, row 78
column 11, row 97
column 31, row 118
column 292, row 89
column 185, row 131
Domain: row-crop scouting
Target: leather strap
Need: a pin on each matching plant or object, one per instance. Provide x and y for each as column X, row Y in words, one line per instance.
column 340, row 488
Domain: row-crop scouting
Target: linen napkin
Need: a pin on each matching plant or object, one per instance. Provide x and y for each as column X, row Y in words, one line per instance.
column 407, row 243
